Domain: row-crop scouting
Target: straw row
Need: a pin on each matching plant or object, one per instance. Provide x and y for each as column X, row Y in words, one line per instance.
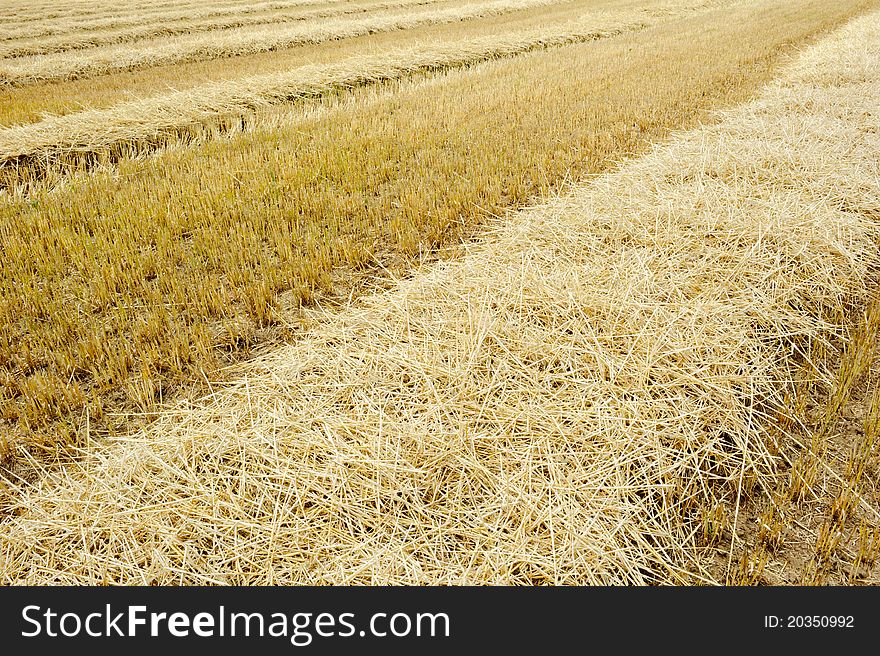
column 28, row 152
column 137, row 28
column 38, row 19
column 238, row 41
column 554, row 407
column 136, row 281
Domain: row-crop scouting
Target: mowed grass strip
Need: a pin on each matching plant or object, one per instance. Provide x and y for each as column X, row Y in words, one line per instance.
column 67, row 16
column 122, row 286
column 226, row 43
column 57, row 146
column 52, row 24
column 19, row 105
column 570, row 402
column 138, row 29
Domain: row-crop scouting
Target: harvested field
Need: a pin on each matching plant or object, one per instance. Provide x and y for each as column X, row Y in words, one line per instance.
column 69, row 16
column 567, row 402
column 819, row 521
column 434, row 291
column 160, row 271
column 30, row 153
column 239, row 41
column 32, row 103
column 42, row 40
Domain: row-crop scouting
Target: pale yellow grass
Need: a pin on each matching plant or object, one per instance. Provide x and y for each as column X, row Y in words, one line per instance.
column 554, row 407
column 38, row 148
column 34, row 102
column 76, row 13
column 126, row 286
column 141, row 27
column 238, row 41
column 48, row 22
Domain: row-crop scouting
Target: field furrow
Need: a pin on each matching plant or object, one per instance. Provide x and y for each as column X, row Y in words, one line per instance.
column 557, row 406
column 239, row 41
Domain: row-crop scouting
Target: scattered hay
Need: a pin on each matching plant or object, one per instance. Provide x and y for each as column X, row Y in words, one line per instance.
column 552, row 408
column 36, row 19
column 30, row 152
column 35, row 69
column 46, row 37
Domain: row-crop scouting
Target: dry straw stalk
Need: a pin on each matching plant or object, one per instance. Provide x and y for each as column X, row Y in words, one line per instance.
column 31, row 103
column 70, row 16
column 29, row 151
column 153, row 276
column 138, row 27
column 550, row 408
column 239, row 41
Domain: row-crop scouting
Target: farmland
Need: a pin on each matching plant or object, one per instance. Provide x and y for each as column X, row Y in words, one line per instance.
column 423, row 263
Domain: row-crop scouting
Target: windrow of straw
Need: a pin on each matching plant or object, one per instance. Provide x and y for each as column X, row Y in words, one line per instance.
column 136, row 29
column 239, row 41
column 131, row 285
column 50, row 11
column 48, row 22
column 29, row 152
column 554, row 407
column 27, row 104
